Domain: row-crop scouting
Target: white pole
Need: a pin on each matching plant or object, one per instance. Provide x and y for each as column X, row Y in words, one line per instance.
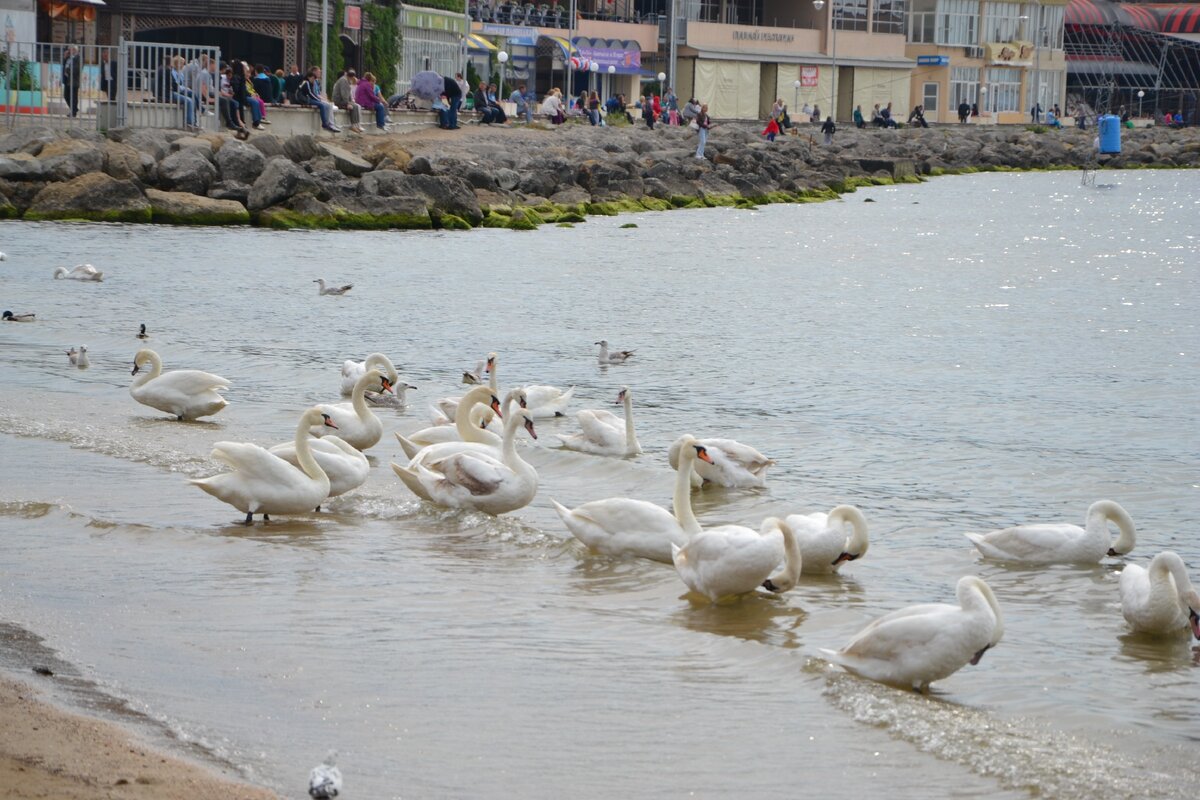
column 570, row 67
column 833, row 89
column 1037, row 65
column 671, row 31
column 324, row 43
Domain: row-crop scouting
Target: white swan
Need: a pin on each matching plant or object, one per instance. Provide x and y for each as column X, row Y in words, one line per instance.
column 358, row 425
column 1160, row 600
column 475, row 476
column 346, row 467
column 915, row 646
column 353, row 370
column 730, row 560
column 81, row 358
column 734, row 464
column 186, row 393
column 322, row 289
column 604, row 433
column 615, row 357
column 81, row 272
column 477, row 405
column 1061, row 543
column 446, row 410
column 619, row 526
column 22, row 316
column 823, row 541
column 547, row 401
column 263, row 483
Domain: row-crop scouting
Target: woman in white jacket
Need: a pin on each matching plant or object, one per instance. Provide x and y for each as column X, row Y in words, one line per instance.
column 552, row 107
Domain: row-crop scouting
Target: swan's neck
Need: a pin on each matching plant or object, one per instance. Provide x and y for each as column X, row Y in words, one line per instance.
column 492, row 378
column 1167, row 565
column 682, row 500
column 304, row 452
column 145, row 376
column 508, row 448
column 631, row 443
column 787, row 578
column 858, row 542
column 358, row 400
column 462, row 416
column 974, row 595
column 1099, row 515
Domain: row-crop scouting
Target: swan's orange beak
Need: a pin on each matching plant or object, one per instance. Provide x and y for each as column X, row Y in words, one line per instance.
column 702, row 453
column 496, row 407
column 488, row 368
column 387, row 385
column 329, row 422
column 529, row 427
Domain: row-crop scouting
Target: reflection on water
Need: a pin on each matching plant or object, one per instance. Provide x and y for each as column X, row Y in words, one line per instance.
column 1009, row 350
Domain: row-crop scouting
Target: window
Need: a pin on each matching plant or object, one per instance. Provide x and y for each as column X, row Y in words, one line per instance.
column 1004, row 90
column 1050, row 32
column 929, row 97
column 952, row 22
column 1001, row 22
column 850, row 15
column 889, row 16
column 964, row 85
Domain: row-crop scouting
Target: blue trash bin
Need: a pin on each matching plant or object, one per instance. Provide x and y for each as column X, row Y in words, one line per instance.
column 1110, row 134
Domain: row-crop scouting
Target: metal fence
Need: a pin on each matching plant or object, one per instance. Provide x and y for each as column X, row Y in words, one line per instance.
column 98, row 87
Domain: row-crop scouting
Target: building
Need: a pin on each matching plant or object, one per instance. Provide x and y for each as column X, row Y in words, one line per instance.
column 1002, row 56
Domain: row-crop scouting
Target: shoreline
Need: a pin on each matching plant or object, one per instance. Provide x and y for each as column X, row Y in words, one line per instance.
column 47, row 750
column 516, row 178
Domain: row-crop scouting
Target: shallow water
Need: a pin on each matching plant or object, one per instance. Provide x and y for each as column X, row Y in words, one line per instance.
column 957, row 356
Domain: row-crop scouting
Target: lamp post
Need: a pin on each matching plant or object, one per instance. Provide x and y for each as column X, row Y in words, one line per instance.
column 982, row 100
column 324, row 42
column 662, row 76
column 594, row 68
column 502, row 57
column 796, row 99
column 1141, row 94
column 833, row 17
column 611, row 71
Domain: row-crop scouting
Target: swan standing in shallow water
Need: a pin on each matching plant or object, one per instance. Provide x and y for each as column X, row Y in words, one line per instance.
column 604, row 433
column 915, row 646
column 23, row 316
column 614, row 357
column 1160, row 600
column 345, row 467
column 620, row 526
column 729, row 560
column 353, row 370
column 734, row 464
column 322, row 289
column 823, row 541
column 475, row 403
column 263, row 483
column 1061, row 543
column 187, row 393
column 358, row 425
column 81, row 272
column 475, row 476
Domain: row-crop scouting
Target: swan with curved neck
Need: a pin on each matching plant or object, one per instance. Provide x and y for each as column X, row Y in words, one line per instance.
column 735, row 465
column 729, row 560
column 359, row 426
column 475, row 476
column 475, row 405
column 915, row 646
column 81, row 272
column 263, row 483
column 605, row 434
column 823, row 540
column 346, row 467
column 620, row 526
column 1161, row 600
column 353, row 370
column 1061, row 543
column 188, row 394
column 541, row 401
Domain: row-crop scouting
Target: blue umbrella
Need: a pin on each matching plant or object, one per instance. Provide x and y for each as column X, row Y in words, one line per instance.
column 427, row 85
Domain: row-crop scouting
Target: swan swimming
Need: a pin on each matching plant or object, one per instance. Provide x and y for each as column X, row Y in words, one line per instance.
column 1160, row 600
column 472, row 407
column 263, row 483
column 729, row 560
column 346, row 467
column 186, row 393
column 23, row 316
column 735, row 465
column 353, row 370
column 620, row 526
column 322, row 289
column 615, row 357
column 823, row 540
column 604, row 433
column 1050, row 543
column 81, row 272
column 358, row 425
column 915, row 646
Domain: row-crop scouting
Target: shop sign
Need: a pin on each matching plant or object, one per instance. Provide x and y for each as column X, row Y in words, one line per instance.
column 757, row 35
column 608, row 56
column 809, row 76
column 492, row 29
column 353, row 21
column 933, row 61
column 1010, row 54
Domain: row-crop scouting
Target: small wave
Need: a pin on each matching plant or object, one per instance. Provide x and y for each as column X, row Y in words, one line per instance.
column 1022, row 754
column 27, row 509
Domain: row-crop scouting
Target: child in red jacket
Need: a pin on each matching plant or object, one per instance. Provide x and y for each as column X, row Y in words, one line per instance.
column 771, row 130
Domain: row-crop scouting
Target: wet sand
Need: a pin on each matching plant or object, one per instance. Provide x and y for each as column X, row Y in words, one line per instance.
column 48, row 752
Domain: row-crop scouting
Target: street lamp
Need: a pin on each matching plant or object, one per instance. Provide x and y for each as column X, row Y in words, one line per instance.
column 1141, row 94
column 662, row 77
column 833, row 16
column 982, row 100
column 796, row 99
column 502, row 57
column 593, row 68
column 611, row 71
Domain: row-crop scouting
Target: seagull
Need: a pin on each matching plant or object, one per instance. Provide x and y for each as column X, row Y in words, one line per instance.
column 325, row 780
column 3, row 257
column 141, row 334
column 323, row 289
column 81, row 359
column 73, row 355
column 615, row 357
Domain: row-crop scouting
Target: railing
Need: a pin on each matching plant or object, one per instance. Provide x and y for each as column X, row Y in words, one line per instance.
column 102, row 87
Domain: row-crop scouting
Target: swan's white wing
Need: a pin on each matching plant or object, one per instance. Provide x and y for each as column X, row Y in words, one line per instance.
column 899, row 632
column 1028, row 541
column 605, row 417
column 625, row 527
column 255, row 463
column 479, row 476
column 1135, row 590
column 742, row 454
column 190, row 381
column 600, row 432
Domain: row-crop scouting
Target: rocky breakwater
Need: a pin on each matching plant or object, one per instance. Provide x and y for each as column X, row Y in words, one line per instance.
column 515, row 178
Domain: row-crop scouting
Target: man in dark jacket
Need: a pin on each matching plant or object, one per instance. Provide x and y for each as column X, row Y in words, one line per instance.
column 454, row 100
column 291, row 83
column 487, row 114
column 72, row 70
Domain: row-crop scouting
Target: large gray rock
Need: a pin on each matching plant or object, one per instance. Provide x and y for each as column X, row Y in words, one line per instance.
column 153, row 141
column 21, row 193
column 94, row 196
column 202, row 144
column 268, row 144
column 20, row 166
column 507, row 179
column 188, row 170
column 443, row 194
column 420, row 165
column 123, row 162
column 65, row 159
column 240, row 162
column 28, row 140
column 182, row 208
column 570, row 196
column 230, row 190
column 280, row 179
column 302, row 147
column 345, row 161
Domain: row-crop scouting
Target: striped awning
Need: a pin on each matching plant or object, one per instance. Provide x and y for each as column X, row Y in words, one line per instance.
column 480, row 44
column 565, row 46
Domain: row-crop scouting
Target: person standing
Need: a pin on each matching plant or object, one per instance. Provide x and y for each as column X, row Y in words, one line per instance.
column 464, row 89
column 108, row 75
column 964, row 111
column 648, row 111
column 343, row 97
column 672, row 101
column 828, row 129
column 703, row 123
column 72, row 71
column 454, row 99
column 772, row 129
column 859, row 122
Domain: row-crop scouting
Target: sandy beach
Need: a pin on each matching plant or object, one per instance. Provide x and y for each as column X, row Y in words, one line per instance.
column 46, row 752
